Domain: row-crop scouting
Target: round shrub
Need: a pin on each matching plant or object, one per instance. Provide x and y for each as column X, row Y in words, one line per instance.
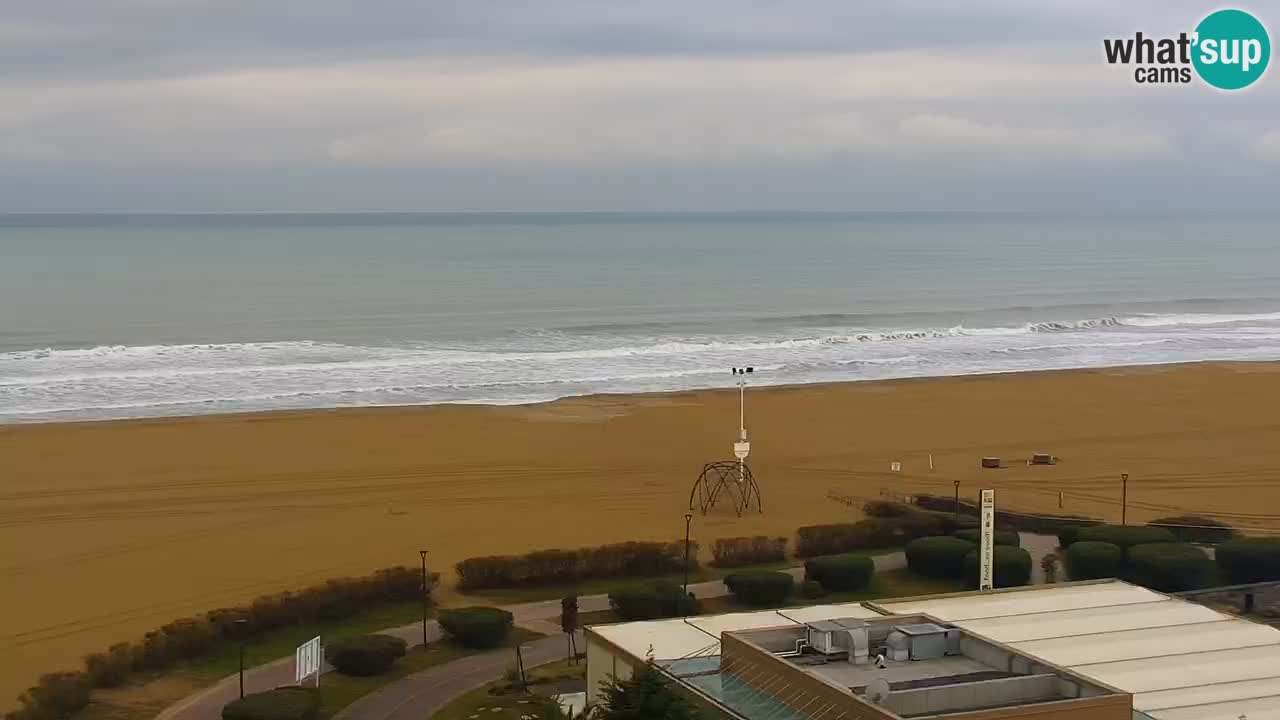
column 364, row 655
column 1168, row 567
column 653, row 600
column 1125, row 536
column 1002, row 537
column 1010, row 566
column 761, row 588
column 285, row 703
column 1196, row 529
column 1068, row 534
column 840, row 572
column 1250, row 560
column 812, row 590
column 1090, row 560
column 476, row 627
column 940, row 557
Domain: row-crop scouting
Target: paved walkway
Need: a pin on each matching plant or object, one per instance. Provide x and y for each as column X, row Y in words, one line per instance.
column 417, row 696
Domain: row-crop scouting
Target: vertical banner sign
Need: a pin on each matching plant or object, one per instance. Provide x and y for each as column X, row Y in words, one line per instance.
column 986, row 575
column 307, row 661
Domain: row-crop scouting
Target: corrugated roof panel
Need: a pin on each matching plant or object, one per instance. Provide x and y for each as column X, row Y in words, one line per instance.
column 1151, row 642
column 1254, row 709
column 1207, row 694
column 1021, row 602
column 1070, row 623
column 1181, row 671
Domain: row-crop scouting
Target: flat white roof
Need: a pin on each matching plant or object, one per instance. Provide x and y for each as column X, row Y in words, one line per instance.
column 676, row 638
column 1181, row 661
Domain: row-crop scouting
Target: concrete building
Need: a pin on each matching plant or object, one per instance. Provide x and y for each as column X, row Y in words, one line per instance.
column 1105, row 650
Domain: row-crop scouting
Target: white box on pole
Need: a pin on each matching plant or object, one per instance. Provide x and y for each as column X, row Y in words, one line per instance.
column 985, row 570
column 307, row 661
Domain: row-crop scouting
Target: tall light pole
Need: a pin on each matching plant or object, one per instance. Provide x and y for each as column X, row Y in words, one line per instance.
column 426, row 597
column 242, row 626
column 1124, row 498
column 955, row 509
column 742, row 448
column 688, row 518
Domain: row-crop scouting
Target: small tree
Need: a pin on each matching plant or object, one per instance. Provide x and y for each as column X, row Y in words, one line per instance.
column 1049, row 564
column 569, row 624
column 646, row 695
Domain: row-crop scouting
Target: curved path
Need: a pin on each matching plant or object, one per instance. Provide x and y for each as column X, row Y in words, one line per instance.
column 419, row 695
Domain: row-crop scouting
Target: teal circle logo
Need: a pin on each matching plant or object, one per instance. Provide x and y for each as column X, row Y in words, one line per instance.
column 1231, row 49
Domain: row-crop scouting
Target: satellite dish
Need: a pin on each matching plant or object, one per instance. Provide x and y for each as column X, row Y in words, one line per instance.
column 878, row 691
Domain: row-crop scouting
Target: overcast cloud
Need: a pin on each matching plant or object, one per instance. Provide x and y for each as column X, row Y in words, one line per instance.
column 217, row 105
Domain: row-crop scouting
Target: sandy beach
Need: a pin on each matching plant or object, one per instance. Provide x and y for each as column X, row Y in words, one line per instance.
column 109, row 529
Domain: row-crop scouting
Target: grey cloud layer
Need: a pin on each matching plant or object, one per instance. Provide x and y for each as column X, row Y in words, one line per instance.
column 220, row 105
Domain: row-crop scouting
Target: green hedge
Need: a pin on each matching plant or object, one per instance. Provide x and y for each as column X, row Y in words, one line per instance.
column 364, row 655
column 649, row 601
column 284, row 703
column 1250, row 560
column 812, row 590
column 871, row 533
column 1169, row 567
column 761, row 588
column 1125, row 536
column 739, row 551
column 940, row 557
column 1006, row 519
column 199, row 636
column 1002, row 537
column 552, row 567
column 840, row 572
column 1196, row 529
column 1090, row 560
column 886, row 508
column 476, row 627
column 1010, row 567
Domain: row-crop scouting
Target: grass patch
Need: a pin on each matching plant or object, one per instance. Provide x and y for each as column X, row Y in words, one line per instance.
column 496, row 701
column 338, row 691
column 283, row 641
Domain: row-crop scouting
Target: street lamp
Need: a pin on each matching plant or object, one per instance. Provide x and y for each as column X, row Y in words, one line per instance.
column 426, row 597
column 1124, row 498
column 688, row 518
column 242, row 626
column 955, row 509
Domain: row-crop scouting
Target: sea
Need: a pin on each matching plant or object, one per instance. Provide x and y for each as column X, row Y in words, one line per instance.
column 127, row 316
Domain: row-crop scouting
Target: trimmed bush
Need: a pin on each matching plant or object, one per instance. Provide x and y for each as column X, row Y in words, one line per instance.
column 55, row 695
column 1197, row 529
column 1010, row 567
column 476, row 627
column 655, row 600
column 1168, row 567
column 761, row 588
column 552, row 567
column 1125, row 536
column 840, row 572
column 1005, row 519
column 1068, row 534
column 1250, row 560
column 940, row 557
column 1090, row 560
column 871, row 533
column 812, row 590
column 1002, row 537
column 284, row 703
column 886, row 508
column 739, row 551
column 364, row 655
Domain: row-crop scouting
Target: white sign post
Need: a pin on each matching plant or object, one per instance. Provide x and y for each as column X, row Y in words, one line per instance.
column 307, row 661
column 986, row 576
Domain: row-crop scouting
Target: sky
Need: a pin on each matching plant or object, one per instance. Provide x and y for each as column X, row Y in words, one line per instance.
column 533, row 105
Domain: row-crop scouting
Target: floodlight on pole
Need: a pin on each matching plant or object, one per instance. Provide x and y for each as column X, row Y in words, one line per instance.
column 742, row 447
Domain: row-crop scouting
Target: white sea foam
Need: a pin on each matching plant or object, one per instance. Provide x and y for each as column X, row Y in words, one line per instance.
column 131, row 381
